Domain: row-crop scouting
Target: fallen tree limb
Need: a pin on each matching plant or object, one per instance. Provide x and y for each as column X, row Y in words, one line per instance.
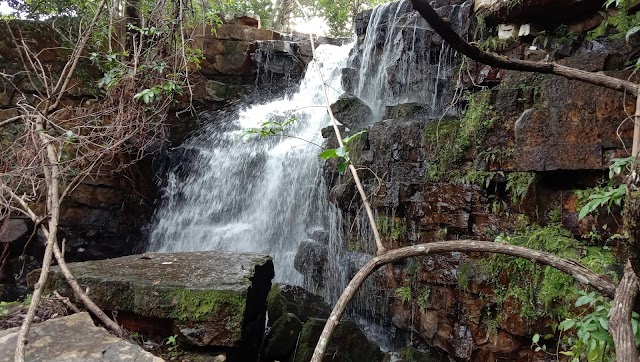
column 571, row 267
column 456, row 42
column 620, row 321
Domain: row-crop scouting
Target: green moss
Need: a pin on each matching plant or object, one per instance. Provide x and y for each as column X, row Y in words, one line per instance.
column 448, row 140
column 390, row 227
column 542, row 291
column 195, row 305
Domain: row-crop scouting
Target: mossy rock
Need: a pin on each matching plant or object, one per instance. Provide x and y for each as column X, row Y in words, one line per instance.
column 348, row 343
column 281, row 340
column 284, row 298
column 210, row 298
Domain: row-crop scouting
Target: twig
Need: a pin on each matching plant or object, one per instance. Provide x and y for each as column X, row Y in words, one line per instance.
column 66, row 302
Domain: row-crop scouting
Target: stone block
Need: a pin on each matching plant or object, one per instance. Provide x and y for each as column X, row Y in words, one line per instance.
column 210, row 298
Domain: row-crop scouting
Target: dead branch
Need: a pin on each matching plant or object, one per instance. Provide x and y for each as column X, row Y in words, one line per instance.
column 575, row 269
column 449, row 35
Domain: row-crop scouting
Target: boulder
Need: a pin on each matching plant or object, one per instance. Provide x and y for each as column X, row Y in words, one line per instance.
column 348, row 343
column 282, row 338
column 72, row 339
column 284, row 299
column 310, row 260
column 207, row 298
column 352, row 112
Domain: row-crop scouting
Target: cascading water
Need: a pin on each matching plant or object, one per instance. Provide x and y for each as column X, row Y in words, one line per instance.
column 402, row 60
column 268, row 195
column 263, row 195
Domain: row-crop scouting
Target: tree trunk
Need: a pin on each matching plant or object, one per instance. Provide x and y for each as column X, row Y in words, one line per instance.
column 620, row 320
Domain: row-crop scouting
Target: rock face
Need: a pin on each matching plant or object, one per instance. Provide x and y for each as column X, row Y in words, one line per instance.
column 207, row 298
column 352, row 112
column 456, row 176
column 398, row 58
column 73, row 339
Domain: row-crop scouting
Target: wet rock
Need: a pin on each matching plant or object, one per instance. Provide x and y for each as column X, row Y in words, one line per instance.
column 352, row 112
column 281, row 340
column 72, row 339
column 342, row 195
column 406, row 110
column 207, row 298
column 13, row 229
column 348, row 343
column 320, row 235
column 291, row 299
column 310, row 260
column 570, row 133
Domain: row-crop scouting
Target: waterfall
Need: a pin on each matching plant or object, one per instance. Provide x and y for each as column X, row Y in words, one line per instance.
column 264, row 195
column 401, row 60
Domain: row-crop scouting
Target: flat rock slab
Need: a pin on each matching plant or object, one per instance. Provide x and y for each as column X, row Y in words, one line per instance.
column 207, row 298
column 72, row 339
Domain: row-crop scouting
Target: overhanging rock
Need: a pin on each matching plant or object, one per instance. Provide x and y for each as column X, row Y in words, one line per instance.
column 207, row 298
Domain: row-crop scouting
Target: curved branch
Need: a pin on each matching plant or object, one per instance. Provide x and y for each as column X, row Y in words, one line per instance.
column 447, row 33
column 575, row 269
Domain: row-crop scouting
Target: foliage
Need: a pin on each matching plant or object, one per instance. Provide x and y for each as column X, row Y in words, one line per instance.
column 342, row 152
column 448, row 140
column 607, row 195
column 423, row 299
column 340, row 14
column 518, row 184
column 404, row 293
column 268, row 128
column 391, row 227
column 171, row 343
column 587, row 336
column 542, row 290
column 624, row 20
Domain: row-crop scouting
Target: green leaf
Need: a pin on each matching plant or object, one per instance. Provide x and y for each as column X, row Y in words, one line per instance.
column 583, row 300
column 566, row 353
column 567, row 324
column 328, row 154
column 631, row 31
column 342, row 166
column 342, row 151
column 536, row 338
column 352, row 137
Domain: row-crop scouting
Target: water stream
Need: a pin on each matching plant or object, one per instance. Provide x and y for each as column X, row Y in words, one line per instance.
column 267, row 195
column 263, row 195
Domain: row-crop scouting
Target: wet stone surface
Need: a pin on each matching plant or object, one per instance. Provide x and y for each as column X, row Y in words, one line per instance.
column 208, row 298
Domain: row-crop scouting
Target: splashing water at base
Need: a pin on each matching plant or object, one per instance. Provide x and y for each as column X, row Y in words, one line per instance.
column 260, row 196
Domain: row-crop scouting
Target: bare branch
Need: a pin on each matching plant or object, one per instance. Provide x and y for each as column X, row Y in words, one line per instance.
column 575, row 269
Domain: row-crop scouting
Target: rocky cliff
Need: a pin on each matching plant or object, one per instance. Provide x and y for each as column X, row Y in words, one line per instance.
column 513, row 166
